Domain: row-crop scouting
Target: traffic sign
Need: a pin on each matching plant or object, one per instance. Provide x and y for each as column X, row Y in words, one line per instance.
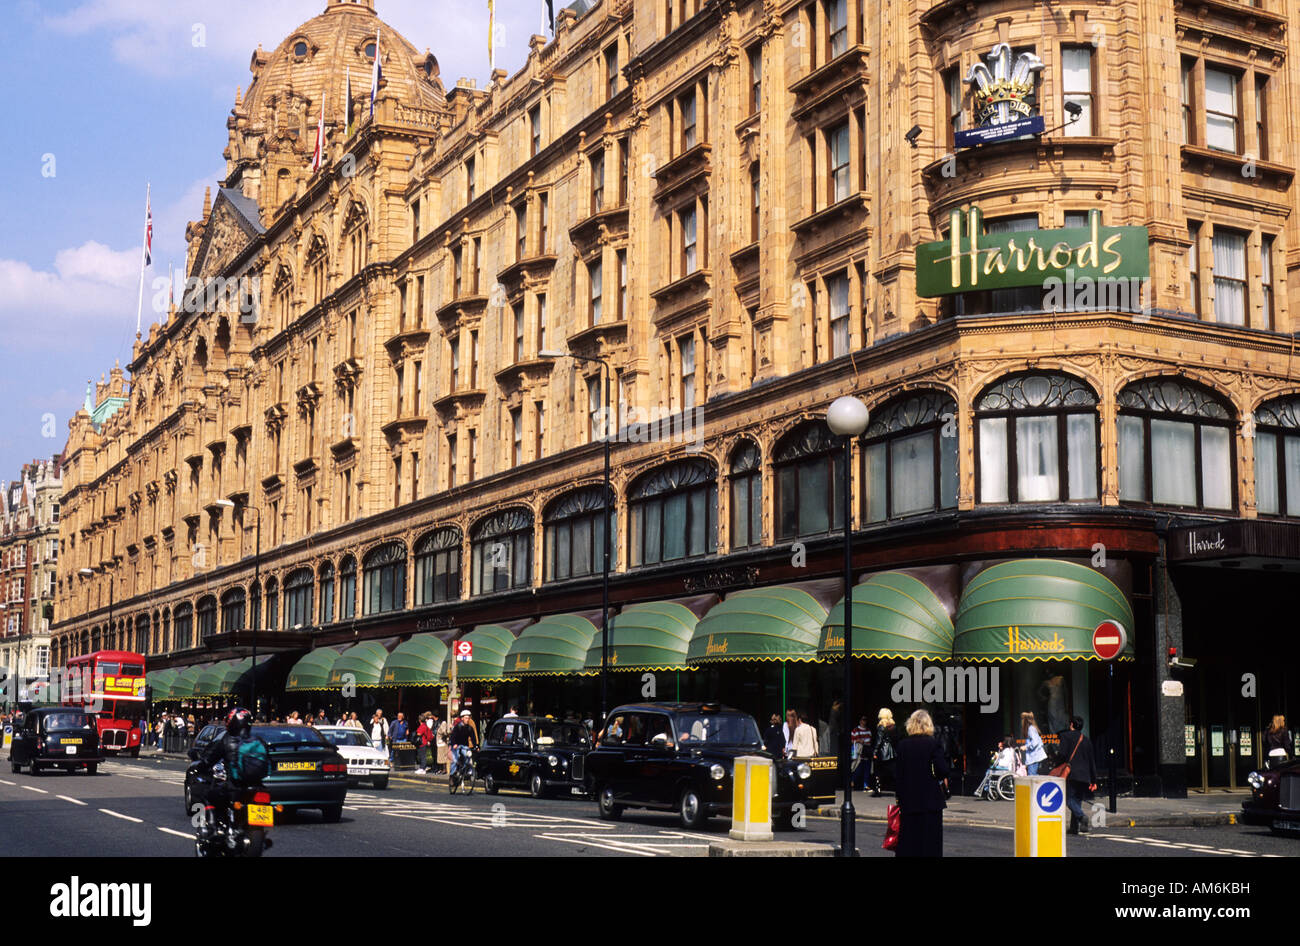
column 464, row 650
column 1109, row 640
column 1049, row 797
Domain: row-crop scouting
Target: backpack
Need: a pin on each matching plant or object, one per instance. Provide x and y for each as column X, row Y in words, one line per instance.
column 252, row 762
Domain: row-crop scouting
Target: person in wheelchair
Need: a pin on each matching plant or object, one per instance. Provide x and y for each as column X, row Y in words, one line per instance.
column 1003, row 762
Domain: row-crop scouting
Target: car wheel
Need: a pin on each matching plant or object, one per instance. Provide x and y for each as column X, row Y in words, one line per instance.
column 537, row 787
column 609, row 811
column 36, row 769
column 490, row 784
column 92, row 768
column 381, row 783
column 690, row 809
column 16, row 767
column 332, row 814
column 784, row 820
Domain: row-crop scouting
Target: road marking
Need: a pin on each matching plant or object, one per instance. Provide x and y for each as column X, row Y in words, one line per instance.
column 5, row 781
column 583, row 839
column 109, row 811
column 75, row 801
column 40, row 790
column 1228, row 850
column 179, row 834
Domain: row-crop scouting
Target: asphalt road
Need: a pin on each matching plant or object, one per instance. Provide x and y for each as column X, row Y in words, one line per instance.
column 135, row 808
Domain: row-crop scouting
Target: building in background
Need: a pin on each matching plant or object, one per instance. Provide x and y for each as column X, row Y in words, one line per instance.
column 730, row 205
column 29, row 559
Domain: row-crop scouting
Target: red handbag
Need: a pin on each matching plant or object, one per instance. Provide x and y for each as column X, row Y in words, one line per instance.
column 894, row 817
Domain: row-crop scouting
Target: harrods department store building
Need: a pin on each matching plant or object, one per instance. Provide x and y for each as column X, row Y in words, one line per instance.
column 728, row 203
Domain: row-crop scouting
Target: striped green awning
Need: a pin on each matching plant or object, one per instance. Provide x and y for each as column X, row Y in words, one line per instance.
column 210, row 680
column 1037, row 609
column 160, row 683
column 895, row 616
column 651, row 636
column 416, row 662
column 554, row 646
column 184, row 681
column 359, row 666
column 312, row 672
column 491, row 644
column 229, row 678
column 778, row 623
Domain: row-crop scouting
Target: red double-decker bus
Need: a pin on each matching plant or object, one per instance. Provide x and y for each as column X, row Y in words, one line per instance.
column 113, row 679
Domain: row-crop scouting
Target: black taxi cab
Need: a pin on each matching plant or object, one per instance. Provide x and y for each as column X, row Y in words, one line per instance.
column 680, row 757
column 540, row 754
column 56, row 737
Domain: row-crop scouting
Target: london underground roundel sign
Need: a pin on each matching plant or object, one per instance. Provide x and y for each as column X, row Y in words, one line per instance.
column 1109, row 640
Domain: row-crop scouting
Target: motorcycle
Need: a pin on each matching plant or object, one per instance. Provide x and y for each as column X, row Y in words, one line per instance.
column 239, row 829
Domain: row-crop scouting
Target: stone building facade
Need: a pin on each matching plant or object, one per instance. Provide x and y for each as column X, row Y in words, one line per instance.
column 720, row 203
column 29, row 557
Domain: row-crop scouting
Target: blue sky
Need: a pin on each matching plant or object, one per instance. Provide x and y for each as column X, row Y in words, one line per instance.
column 106, row 95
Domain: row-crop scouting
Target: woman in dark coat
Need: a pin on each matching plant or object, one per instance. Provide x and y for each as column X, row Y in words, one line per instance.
column 921, row 771
column 882, row 759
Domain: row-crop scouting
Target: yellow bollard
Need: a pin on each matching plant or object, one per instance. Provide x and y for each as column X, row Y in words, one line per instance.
column 9, row 736
column 1040, row 816
column 752, row 781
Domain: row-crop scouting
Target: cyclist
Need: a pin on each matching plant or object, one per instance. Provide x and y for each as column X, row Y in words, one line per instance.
column 462, row 740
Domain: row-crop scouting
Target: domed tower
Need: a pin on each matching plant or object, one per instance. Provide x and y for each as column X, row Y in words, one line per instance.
column 272, row 126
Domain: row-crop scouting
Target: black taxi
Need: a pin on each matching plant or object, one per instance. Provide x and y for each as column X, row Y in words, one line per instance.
column 541, row 754
column 56, row 737
column 679, row 757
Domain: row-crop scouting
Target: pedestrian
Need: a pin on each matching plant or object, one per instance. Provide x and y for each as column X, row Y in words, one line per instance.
column 379, row 730
column 160, row 730
column 773, row 738
column 787, row 729
column 1035, row 752
column 861, row 743
column 354, row 723
column 1277, row 741
column 321, row 718
column 396, row 734
column 805, row 739
column 1081, row 777
column 882, row 759
column 426, row 739
column 511, row 714
column 923, row 773
column 441, row 734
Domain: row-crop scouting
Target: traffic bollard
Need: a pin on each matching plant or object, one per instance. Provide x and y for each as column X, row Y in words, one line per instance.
column 1040, row 816
column 751, row 798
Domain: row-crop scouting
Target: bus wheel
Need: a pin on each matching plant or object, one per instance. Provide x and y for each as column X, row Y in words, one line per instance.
column 135, row 753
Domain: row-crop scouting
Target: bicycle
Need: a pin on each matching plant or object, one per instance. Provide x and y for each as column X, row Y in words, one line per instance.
column 462, row 773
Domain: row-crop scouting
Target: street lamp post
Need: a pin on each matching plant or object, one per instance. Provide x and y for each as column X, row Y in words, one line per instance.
column 605, row 372
column 257, row 583
column 847, row 417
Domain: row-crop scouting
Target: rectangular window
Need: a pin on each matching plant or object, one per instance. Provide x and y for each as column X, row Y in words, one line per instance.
column 837, row 140
column 521, row 232
column 687, row 347
column 544, row 223
column 517, row 436
column 1187, row 81
column 837, row 28
column 1266, row 278
column 539, row 434
column 1222, row 110
column 451, row 461
column 837, row 290
column 756, row 79
column 621, row 314
column 1076, row 219
column 690, row 133
column 597, row 181
column 622, row 171
column 418, row 393
column 478, row 266
column 455, row 362
column 415, row 221
column 755, row 201
column 541, row 323
column 955, row 90
column 690, row 260
column 469, row 180
column 419, row 302
column 399, row 389
column 1076, row 89
column 1261, row 116
column 473, row 453
column 595, row 278
column 457, row 271
column 397, row 481
column 519, row 332
column 1229, row 277
column 415, row 477
column 1267, row 500
column 535, row 130
column 993, row 459
column 1194, row 266
column 593, row 409
column 1014, row 300
column 473, row 360
column 611, row 71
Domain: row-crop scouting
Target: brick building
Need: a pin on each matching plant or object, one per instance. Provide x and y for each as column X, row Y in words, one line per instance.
column 29, row 556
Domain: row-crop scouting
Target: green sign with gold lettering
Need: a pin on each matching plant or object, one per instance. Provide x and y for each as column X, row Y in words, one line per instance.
column 970, row 260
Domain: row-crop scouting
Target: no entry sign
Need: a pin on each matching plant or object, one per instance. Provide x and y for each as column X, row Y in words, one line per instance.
column 1109, row 640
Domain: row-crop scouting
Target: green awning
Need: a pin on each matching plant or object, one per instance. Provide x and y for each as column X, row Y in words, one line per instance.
column 651, row 636
column 312, row 672
column 160, row 683
column 778, row 623
column 183, row 683
column 210, row 680
column 416, row 662
column 896, row 617
column 554, row 646
column 491, row 644
column 1037, row 609
column 359, row 666
column 229, row 678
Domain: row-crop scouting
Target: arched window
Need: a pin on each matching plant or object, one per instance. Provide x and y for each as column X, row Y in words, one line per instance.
column 909, row 457
column 1175, row 446
column 348, row 589
column 673, row 512
column 255, row 606
column 1277, row 457
column 746, row 478
column 272, row 604
column 437, row 566
column 232, row 610
column 573, row 535
column 182, row 627
column 297, row 598
column 168, row 645
column 141, row 645
column 318, row 271
column 1036, row 440
column 385, row 571
column 206, row 613
column 808, row 471
column 501, row 552
column 327, row 593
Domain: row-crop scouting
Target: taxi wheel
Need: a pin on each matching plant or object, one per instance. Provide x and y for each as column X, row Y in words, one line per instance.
column 92, row 768
column 690, row 809
column 36, row 769
column 332, row 814
column 605, row 801
column 490, row 784
column 15, row 767
column 537, row 787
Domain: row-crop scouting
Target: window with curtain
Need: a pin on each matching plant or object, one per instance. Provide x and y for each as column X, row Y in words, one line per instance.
column 1036, row 440
column 207, row 617
column 501, row 552
column 1186, row 80
column 1229, row 276
column 673, row 513
column 272, row 604
column 686, row 346
column 326, row 580
column 182, row 626
column 232, row 610
column 1266, row 278
column 385, row 578
column 597, row 291
column 1023, row 298
column 909, row 466
column 837, row 140
column 1194, row 265
column 837, row 292
column 746, row 476
column 348, row 589
column 297, row 598
column 1175, row 446
column 837, row 28
column 955, row 92
column 806, row 464
column 1076, row 88
column 437, row 566
column 573, row 534
column 255, row 606
column 1222, row 110
column 1277, row 457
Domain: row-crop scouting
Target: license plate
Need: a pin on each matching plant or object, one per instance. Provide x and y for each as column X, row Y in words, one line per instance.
column 576, row 791
column 261, row 816
column 296, row 767
column 70, row 750
column 71, row 742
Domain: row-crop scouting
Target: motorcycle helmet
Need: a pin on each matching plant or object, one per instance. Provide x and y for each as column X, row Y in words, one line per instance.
column 238, row 722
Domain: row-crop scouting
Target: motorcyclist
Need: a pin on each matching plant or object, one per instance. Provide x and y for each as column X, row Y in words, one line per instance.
column 222, row 793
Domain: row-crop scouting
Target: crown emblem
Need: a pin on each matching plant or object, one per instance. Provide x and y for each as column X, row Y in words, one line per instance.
column 1001, row 89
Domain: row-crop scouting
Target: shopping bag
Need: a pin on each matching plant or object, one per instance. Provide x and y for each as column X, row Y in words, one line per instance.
column 894, row 818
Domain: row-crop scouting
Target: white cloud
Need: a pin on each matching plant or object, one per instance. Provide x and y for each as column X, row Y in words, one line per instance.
column 84, row 300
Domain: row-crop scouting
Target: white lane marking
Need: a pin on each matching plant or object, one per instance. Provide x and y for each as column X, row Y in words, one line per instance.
column 39, row 790
column 1228, row 850
column 581, row 839
column 115, row 814
column 75, row 801
column 5, row 781
column 179, row 834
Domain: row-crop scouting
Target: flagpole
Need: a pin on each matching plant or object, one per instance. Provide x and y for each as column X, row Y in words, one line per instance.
column 144, row 251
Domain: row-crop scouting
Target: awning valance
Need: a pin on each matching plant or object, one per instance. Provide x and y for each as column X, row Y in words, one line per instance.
column 415, row 662
column 160, row 684
column 553, row 646
column 312, row 672
column 1037, row 609
column 491, row 644
column 895, row 616
column 778, row 623
column 359, row 666
column 650, row 636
